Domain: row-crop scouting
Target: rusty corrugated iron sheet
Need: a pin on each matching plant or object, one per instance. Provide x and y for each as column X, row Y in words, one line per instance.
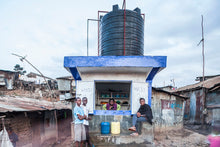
column 199, row 105
column 213, row 98
column 210, row 83
column 12, row 104
column 64, row 84
column 187, row 109
column 170, row 93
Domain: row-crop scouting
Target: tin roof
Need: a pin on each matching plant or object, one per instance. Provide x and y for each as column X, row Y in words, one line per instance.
column 209, row 83
column 170, row 93
column 8, row 71
column 18, row 104
column 32, row 74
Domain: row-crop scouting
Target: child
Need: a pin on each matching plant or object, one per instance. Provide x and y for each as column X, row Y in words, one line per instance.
column 86, row 122
column 79, row 129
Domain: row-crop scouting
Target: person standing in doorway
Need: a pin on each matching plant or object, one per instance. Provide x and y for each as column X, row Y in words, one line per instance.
column 79, row 128
column 85, row 121
column 144, row 114
column 12, row 136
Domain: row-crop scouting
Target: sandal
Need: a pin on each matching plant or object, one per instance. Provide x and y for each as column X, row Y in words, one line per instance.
column 132, row 129
column 134, row 134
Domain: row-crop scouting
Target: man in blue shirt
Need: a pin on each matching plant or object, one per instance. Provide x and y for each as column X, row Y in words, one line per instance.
column 79, row 129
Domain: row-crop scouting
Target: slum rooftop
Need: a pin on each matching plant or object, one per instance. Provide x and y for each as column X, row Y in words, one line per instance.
column 22, row 104
column 208, row 84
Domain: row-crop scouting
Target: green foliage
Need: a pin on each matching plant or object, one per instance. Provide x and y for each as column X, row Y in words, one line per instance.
column 19, row 69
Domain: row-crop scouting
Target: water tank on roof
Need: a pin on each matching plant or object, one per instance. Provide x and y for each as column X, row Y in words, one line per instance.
column 112, row 33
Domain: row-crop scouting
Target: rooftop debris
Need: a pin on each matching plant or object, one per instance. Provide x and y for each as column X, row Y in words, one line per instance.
column 22, row 104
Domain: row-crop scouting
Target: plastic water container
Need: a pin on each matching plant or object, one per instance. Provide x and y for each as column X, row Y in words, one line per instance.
column 115, row 127
column 105, row 127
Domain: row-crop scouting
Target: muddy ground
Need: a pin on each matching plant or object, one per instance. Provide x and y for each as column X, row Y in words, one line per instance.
column 173, row 138
column 180, row 138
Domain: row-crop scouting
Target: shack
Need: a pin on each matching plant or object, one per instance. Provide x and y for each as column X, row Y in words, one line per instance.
column 7, row 79
column 120, row 71
column 35, row 80
column 203, row 107
column 168, row 109
column 66, row 87
column 36, row 122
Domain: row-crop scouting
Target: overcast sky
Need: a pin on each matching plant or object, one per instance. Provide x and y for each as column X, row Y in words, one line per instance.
column 48, row 30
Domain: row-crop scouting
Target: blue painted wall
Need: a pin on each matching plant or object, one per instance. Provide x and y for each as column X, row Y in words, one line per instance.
column 72, row 62
column 118, row 61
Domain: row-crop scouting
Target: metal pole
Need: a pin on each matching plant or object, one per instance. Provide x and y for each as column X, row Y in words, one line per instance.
column 55, row 115
column 88, row 34
column 98, row 27
column 203, row 72
column 23, row 58
column 124, row 23
column 87, row 37
column 203, row 54
column 98, row 33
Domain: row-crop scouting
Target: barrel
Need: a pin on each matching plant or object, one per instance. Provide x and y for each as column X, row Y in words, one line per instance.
column 122, row 33
column 115, row 127
column 105, row 127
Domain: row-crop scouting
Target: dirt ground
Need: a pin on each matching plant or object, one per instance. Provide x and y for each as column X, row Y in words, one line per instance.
column 173, row 138
column 180, row 138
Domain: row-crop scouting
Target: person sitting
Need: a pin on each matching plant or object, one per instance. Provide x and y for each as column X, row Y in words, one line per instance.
column 144, row 114
column 111, row 105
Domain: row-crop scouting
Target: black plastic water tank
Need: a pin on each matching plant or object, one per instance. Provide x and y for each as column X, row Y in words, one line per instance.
column 112, row 33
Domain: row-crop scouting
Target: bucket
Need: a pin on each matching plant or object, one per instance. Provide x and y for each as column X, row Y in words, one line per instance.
column 105, row 127
column 115, row 127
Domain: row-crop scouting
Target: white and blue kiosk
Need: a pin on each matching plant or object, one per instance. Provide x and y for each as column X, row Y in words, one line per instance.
column 124, row 78
column 121, row 72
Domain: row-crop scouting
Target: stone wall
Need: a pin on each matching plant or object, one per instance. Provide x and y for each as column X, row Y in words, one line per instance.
column 21, row 125
column 64, row 124
column 34, row 128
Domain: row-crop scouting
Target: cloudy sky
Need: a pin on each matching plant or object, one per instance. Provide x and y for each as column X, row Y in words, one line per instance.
column 48, row 30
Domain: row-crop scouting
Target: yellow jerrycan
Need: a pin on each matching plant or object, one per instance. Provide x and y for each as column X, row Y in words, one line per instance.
column 115, row 127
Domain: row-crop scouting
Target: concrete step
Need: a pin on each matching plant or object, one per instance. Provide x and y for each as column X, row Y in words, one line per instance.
column 121, row 139
column 146, row 137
